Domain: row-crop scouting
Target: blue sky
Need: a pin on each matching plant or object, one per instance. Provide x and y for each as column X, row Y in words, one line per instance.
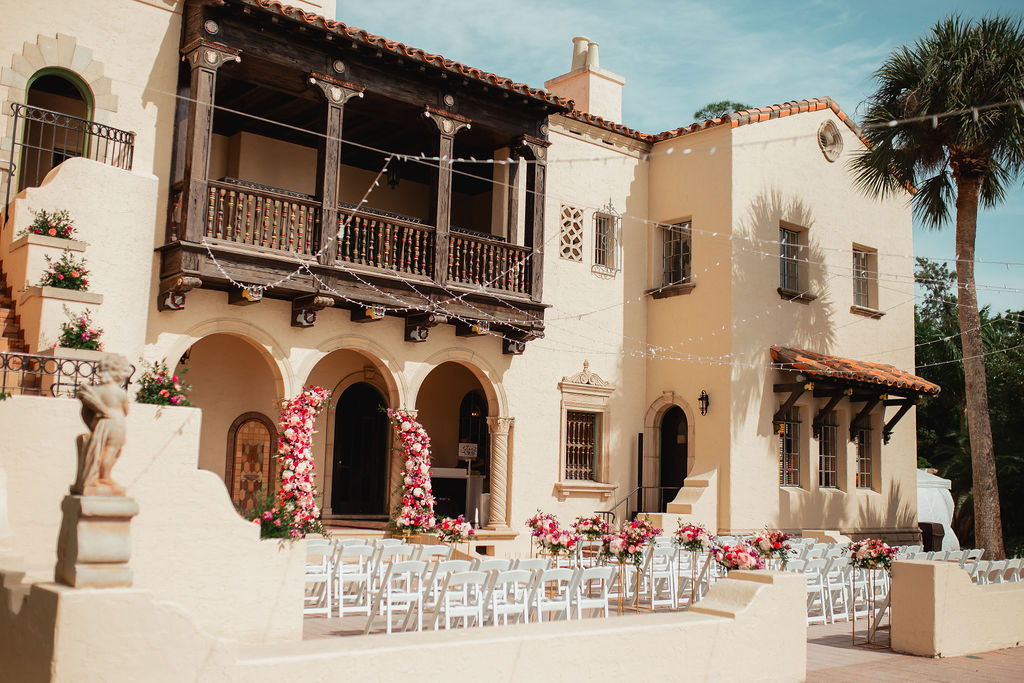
column 678, row 55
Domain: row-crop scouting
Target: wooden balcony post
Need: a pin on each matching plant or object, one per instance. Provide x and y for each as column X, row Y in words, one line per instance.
column 536, row 171
column 204, row 58
column 448, row 124
column 328, row 159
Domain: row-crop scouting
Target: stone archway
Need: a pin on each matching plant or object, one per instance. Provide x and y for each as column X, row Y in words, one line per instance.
column 652, row 436
column 62, row 52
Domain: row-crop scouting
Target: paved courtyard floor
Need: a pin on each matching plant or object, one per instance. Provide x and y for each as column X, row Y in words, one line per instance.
column 830, row 656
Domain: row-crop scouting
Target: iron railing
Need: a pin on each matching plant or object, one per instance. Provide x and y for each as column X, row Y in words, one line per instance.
column 31, row 374
column 44, row 138
column 643, row 499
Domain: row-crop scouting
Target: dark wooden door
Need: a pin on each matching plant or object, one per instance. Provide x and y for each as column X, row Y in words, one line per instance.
column 359, row 483
column 673, row 453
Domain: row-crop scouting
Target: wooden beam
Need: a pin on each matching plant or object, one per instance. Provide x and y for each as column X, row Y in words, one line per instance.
column 780, row 414
column 478, row 328
column 862, row 416
column 417, row 327
column 904, row 409
column 833, row 401
column 447, row 126
column 367, row 314
column 792, row 386
column 244, row 297
column 304, row 309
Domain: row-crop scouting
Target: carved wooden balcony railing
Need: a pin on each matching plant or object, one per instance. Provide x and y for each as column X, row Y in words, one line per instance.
column 385, row 242
column 238, row 212
column 489, row 262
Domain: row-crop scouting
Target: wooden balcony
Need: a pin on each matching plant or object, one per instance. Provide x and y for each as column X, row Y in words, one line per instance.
column 257, row 234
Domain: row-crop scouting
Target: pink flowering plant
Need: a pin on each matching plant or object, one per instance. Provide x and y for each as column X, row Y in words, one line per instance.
column 591, row 527
column 51, row 224
column 66, row 272
column 79, row 332
column 742, row 555
column 159, row 386
column 414, row 511
column 454, row 530
column 626, row 546
column 558, row 541
column 541, row 522
column 296, row 506
column 693, row 537
column 771, row 543
column 871, row 553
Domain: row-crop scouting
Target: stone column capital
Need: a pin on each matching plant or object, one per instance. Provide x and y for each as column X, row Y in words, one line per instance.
column 500, row 426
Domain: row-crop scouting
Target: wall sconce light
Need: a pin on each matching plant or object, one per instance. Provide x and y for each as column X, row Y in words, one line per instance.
column 704, row 401
column 393, row 175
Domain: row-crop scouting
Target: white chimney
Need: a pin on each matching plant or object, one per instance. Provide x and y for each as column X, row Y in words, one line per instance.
column 593, row 89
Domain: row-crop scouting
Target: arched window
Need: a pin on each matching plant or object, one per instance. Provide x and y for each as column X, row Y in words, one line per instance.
column 473, row 429
column 249, row 474
column 52, row 131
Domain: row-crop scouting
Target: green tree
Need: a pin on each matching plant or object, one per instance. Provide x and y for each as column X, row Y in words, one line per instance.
column 959, row 144
column 941, row 420
column 716, row 109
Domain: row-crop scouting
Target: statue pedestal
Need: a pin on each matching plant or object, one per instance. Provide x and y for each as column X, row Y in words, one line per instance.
column 94, row 545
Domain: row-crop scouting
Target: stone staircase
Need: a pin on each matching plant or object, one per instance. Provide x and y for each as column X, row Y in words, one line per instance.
column 13, row 378
column 12, row 338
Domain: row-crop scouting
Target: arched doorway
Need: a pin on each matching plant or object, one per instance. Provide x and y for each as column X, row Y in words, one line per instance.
column 673, row 436
column 48, row 140
column 360, row 472
column 249, row 473
column 473, row 430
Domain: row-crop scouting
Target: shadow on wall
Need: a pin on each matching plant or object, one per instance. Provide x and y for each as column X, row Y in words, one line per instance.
column 874, row 511
column 756, row 278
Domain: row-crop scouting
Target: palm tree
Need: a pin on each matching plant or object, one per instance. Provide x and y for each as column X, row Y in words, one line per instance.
column 961, row 87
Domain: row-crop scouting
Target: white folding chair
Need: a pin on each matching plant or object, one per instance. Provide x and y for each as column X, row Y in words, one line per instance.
column 592, row 590
column 352, row 579
column 979, row 572
column 346, row 542
column 436, row 577
column 385, row 555
column 493, row 564
column 401, row 591
column 1013, row 570
column 836, row 579
column 660, row 575
column 553, row 592
column 432, row 552
column 317, row 598
column 463, row 597
column 813, row 572
column 532, row 564
column 385, row 542
column 509, row 594
column 796, row 566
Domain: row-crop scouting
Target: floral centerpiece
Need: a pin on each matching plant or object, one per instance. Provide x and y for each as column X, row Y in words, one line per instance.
column 626, row 546
column 559, row 541
column 55, row 224
column 541, row 523
column 871, row 553
column 79, row 332
column 591, row 527
column 454, row 530
column 693, row 537
column 771, row 544
column 414, row 511
column 65, row 273
column 159, row 386
column 296, row 499
column 743, row 555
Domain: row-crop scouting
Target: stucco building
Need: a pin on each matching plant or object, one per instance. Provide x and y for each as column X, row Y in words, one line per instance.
column 704, row 323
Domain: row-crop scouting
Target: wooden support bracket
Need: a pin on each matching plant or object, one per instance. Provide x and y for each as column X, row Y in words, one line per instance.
column 797, row 391
column 905, row 407
column 417, row 327
column 304, row 309
column 171, row 296
column 367, row 314
column 862, row 416
column 834, row 398
column 476, row 328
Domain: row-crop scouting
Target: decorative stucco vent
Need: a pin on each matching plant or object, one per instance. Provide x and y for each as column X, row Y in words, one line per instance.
column 830, row 141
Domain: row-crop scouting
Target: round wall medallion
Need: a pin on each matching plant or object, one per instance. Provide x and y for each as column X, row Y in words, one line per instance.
column 338, row 66
column 446, row 125
column 830, row 140
column 211, row 27
column 544, row 129
column 211, row 56
column 449, row 100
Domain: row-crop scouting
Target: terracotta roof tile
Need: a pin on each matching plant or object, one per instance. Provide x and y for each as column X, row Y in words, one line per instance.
column 395, row 47
column 819, row 365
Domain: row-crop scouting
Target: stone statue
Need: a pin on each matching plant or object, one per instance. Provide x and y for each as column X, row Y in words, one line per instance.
column 104, row 411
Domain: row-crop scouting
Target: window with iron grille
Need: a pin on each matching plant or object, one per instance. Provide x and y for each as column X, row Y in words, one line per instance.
column 789, row 448
column 865, row 278
column 863, row 458
column 676, row 254
column 580, row 444
column 789, row 259
column 828, row 440
column 606, row 240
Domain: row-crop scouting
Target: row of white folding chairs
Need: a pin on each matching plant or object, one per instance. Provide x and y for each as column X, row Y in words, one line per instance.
column 997, row 571
column 963, row 557
column 832, row 592
column 452, row 591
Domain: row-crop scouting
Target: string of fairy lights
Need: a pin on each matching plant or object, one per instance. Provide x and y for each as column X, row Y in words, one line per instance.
column 442, row 306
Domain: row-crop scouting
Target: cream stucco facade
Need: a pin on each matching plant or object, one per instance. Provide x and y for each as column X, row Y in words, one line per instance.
column 655, row 348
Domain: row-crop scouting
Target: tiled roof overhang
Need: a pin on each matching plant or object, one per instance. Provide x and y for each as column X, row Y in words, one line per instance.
column 415, row 54
column 848, row 371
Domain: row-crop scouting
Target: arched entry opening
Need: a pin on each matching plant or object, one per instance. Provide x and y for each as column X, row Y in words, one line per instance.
column 359, row 480
column 237, row 385
column 452, row 407
column 352, row 447
column 673, row 449
column 48, row 140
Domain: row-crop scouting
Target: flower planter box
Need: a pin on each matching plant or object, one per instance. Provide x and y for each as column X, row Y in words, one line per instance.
column 41, row 310
column 25, row 260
